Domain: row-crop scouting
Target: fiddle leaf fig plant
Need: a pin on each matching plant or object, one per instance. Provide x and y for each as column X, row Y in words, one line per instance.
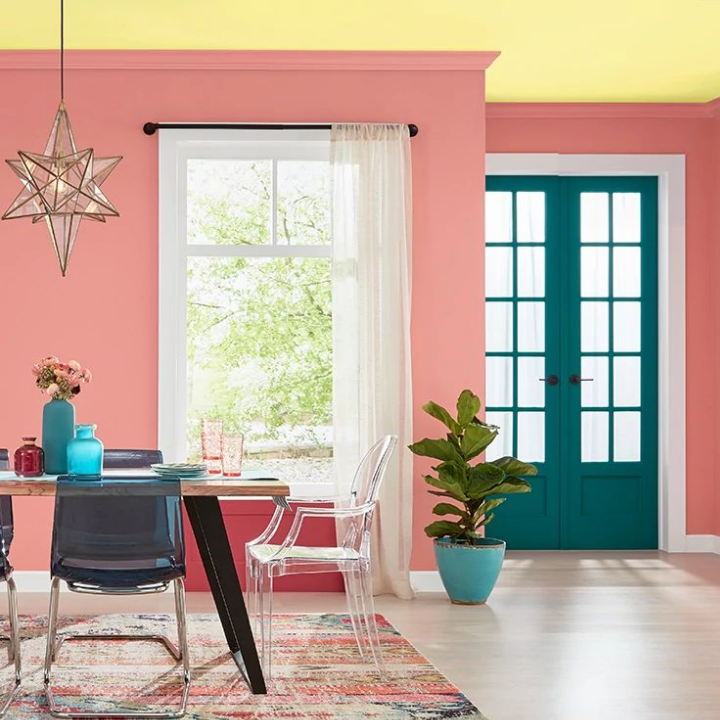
column 476, row 487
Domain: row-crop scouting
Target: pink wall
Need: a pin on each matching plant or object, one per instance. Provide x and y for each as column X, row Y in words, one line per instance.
column 521, row 129
column 105, row 312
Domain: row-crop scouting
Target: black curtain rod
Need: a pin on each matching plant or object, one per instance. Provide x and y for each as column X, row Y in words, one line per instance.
column 149, row 128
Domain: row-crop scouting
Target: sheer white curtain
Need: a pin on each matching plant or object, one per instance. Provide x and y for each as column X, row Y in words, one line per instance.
column 372, row 241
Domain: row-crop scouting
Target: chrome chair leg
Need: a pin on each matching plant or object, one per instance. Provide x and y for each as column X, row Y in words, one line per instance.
column 14, row 645
column 54, row 644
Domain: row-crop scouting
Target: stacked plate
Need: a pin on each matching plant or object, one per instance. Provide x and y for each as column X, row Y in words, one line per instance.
column 182, row 470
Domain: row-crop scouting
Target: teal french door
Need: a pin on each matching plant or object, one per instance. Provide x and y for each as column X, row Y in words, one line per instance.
column 571, row 357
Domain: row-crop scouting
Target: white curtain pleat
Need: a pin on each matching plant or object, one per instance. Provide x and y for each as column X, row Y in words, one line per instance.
column 372, row 243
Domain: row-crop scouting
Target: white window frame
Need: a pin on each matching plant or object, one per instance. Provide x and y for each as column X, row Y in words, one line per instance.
column 175, row 148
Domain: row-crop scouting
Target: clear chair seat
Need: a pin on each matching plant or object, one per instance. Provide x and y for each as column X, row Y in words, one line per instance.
column 265, row 552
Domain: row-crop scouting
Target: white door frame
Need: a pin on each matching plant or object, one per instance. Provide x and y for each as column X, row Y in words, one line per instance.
column 670, row 171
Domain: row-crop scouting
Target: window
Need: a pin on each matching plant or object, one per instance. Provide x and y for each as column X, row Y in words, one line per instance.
column 245, row 297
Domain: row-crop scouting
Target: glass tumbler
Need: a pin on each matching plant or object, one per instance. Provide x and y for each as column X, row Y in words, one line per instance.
column 211, row 440
column 232, row 455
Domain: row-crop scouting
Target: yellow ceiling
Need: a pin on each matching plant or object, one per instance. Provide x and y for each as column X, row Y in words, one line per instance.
column 552, row 50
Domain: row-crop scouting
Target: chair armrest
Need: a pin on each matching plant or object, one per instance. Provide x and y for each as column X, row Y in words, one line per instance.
column 317, row 512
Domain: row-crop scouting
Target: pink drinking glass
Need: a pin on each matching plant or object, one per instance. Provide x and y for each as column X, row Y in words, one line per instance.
column 232, row 455
column 211, row 439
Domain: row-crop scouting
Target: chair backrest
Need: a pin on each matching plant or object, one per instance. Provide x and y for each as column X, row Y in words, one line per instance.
column 119, row 528
column 121, row 459
column 365, row 489
column 371, row 470
column 7, row 526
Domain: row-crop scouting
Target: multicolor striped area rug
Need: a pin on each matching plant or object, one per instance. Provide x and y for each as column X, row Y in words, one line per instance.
column 318, row 673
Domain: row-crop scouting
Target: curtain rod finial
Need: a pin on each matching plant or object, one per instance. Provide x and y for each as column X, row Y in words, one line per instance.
column 149, row 128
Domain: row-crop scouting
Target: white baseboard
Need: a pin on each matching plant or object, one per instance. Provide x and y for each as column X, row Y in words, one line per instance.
column 426, row 581
column 702, row 544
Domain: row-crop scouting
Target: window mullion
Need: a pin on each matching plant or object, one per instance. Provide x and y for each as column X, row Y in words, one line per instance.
column 273, row 201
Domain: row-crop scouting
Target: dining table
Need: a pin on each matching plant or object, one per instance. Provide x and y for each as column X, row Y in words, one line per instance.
column 201, row 498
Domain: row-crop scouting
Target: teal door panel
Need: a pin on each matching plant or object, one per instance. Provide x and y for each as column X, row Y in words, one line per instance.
column 522, row 346
column 571, row 366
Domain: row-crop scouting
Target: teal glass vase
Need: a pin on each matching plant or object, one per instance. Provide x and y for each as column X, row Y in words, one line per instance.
column 58, row 429
column 85, row 452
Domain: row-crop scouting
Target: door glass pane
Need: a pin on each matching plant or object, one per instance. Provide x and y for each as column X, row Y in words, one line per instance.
column 498, row 272
column 531, row 326
column 498, row 217
column 498, row 327
column 530, row 217
column 531, row 436
column 594, row 393
column 594, row 327
column 626, row 272
column 626, row 327
column 594, row 431
column 499, row 381
column 594, row 216
column 626, row 217
column 594, row 273
column 531, row 272
column 626, row 381
column 503, row 443
column 531, row 390
column 626, row 440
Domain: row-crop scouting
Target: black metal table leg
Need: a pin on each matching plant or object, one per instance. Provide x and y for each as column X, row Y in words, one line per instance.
column 209, row 530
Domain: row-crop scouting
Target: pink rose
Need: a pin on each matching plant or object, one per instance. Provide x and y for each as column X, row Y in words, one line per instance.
column 87, row 375
column 52, row 389
column 51, row 360
column 75, row 365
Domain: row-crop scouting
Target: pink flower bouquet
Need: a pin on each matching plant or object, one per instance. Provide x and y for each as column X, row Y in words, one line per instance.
column 60, row 380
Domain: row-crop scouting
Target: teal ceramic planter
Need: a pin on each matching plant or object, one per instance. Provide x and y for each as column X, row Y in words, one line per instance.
column 58, row 429
column 85, row 452
column 469, row 572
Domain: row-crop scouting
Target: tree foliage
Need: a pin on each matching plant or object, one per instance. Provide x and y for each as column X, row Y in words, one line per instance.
column 259, row 328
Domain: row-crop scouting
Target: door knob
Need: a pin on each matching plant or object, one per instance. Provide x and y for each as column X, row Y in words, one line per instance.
column 550, row 379
column 576, row 379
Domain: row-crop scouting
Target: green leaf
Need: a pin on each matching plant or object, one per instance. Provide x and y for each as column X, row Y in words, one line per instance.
column 513, row 466
column 485, row 508
column 468, row 406
column 454, row 490
column 475, row 439
column 448, row 509
column 441, row 528
column 438, row 449
column 512, row 485
column 441, row 414
column 487, row 519
column 484, row 479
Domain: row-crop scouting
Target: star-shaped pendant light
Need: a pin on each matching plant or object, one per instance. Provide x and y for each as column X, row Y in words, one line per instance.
column 62, row 185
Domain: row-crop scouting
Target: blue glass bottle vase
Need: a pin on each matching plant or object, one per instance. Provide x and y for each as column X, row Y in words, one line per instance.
column 58, row 429
column 85, row 452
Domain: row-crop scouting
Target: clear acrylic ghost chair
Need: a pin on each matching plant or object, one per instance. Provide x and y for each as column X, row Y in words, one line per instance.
column 265, row 561
column 7, row 531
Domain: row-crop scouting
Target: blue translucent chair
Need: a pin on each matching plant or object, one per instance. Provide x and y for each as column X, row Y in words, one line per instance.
column 351, row 556
column 118, row 536
column 7, row 531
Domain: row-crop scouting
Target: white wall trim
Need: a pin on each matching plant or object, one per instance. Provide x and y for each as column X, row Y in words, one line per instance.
column 426, row 581
column 703, row 544
column 670, row 171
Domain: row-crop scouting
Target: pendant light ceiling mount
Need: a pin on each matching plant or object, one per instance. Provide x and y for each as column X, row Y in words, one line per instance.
column 61, row 185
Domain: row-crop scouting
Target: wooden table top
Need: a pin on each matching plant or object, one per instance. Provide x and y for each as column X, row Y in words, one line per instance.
column 252, row 483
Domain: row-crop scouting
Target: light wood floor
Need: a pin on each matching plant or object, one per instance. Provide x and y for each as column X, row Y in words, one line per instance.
column 566, row 636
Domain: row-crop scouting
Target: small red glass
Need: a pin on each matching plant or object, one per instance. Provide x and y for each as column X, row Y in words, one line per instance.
column 211, row 440
column 29, row 459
